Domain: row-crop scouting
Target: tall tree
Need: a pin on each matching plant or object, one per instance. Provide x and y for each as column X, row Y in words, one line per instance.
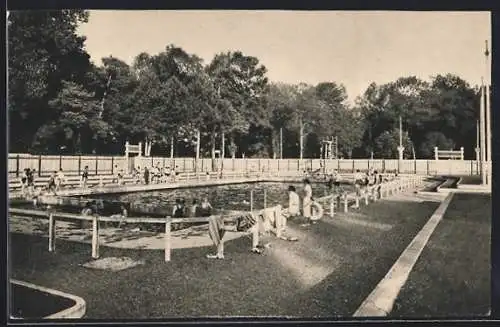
column 43, row 51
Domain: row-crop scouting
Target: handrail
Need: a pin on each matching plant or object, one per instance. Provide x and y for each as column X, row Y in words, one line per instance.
column 393, row 186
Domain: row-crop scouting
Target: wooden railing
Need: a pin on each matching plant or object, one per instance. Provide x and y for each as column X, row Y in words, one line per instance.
column 395, row 186
column 53, row 217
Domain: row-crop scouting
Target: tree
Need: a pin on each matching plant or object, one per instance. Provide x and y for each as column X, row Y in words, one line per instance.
column 242, row 81
column 44, row 50
column 386, row 145
column 434, row 139
column 78, row 118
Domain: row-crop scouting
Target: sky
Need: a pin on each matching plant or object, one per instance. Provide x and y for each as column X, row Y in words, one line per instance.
column 347, row 47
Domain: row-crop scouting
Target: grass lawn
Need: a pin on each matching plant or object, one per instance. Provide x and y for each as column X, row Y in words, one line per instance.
column 452, row 276
column 328, row 272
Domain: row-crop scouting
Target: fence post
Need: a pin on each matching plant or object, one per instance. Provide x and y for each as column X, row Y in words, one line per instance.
column 17, row 166
column 383, row 165
column 95, row 237
column 168, row 229
column 60, row 162
column 353, row 165
column 259, row 165
column 79, row 164
column 39, row 165
column 428, row 168
column 265, row 198
column 184, row 165
column 345, row 203
column 113, row 165
column 251, row 200
column 52, row 233
column 96, row 165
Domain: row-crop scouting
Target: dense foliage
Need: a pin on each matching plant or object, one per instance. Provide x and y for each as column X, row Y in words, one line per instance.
column 61, row 102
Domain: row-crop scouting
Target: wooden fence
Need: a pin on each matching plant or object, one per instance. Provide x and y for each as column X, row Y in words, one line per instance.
column 102, row 165
column 398, row 185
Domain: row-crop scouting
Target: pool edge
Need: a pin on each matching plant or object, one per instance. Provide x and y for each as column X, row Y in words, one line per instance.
column 75, row 312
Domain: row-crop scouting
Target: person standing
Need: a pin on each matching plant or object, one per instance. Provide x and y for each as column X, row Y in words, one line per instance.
column 146, row 175
column 59, row 179
column 24, row 181
column 85, row 177
column 293, row 202
column 51, row 187
column 358, row 181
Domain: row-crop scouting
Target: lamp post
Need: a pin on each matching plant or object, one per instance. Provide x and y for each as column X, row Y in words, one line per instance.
column 481, row 134
column 489, row 162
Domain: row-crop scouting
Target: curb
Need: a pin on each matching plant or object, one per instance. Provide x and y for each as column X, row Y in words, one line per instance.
column 75, row 312
column 381, row 300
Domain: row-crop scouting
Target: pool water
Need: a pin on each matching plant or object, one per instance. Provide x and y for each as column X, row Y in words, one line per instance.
column 30, row 303
column 224, row 197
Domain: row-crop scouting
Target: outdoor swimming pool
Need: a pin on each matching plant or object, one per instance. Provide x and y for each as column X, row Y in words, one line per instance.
column 225, row 197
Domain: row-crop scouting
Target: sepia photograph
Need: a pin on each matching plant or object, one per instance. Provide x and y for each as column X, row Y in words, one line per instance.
column 293, row 164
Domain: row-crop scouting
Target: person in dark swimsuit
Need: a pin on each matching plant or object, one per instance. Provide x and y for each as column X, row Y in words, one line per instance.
column 85, row 176
column 51, row 187
column 205, row 209
column 179, row 209
column 146, row 175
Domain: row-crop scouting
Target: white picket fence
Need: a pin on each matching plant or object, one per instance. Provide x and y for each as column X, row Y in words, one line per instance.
column 102, row 165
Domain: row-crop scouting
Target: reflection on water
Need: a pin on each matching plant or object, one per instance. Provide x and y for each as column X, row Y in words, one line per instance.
column 227, row 197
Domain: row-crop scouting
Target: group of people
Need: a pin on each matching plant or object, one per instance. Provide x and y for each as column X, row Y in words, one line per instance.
column 203, row 209
column 55, row 183
column 294, row 202
column 155, row 174
column 370, row 178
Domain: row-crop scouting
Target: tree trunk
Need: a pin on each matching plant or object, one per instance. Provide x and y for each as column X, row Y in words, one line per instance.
column 301, row 140
column 198, row 140
column 232, row 146
column 212, row 144
column 223, row 152
column 172, row 147
column 275, row 143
